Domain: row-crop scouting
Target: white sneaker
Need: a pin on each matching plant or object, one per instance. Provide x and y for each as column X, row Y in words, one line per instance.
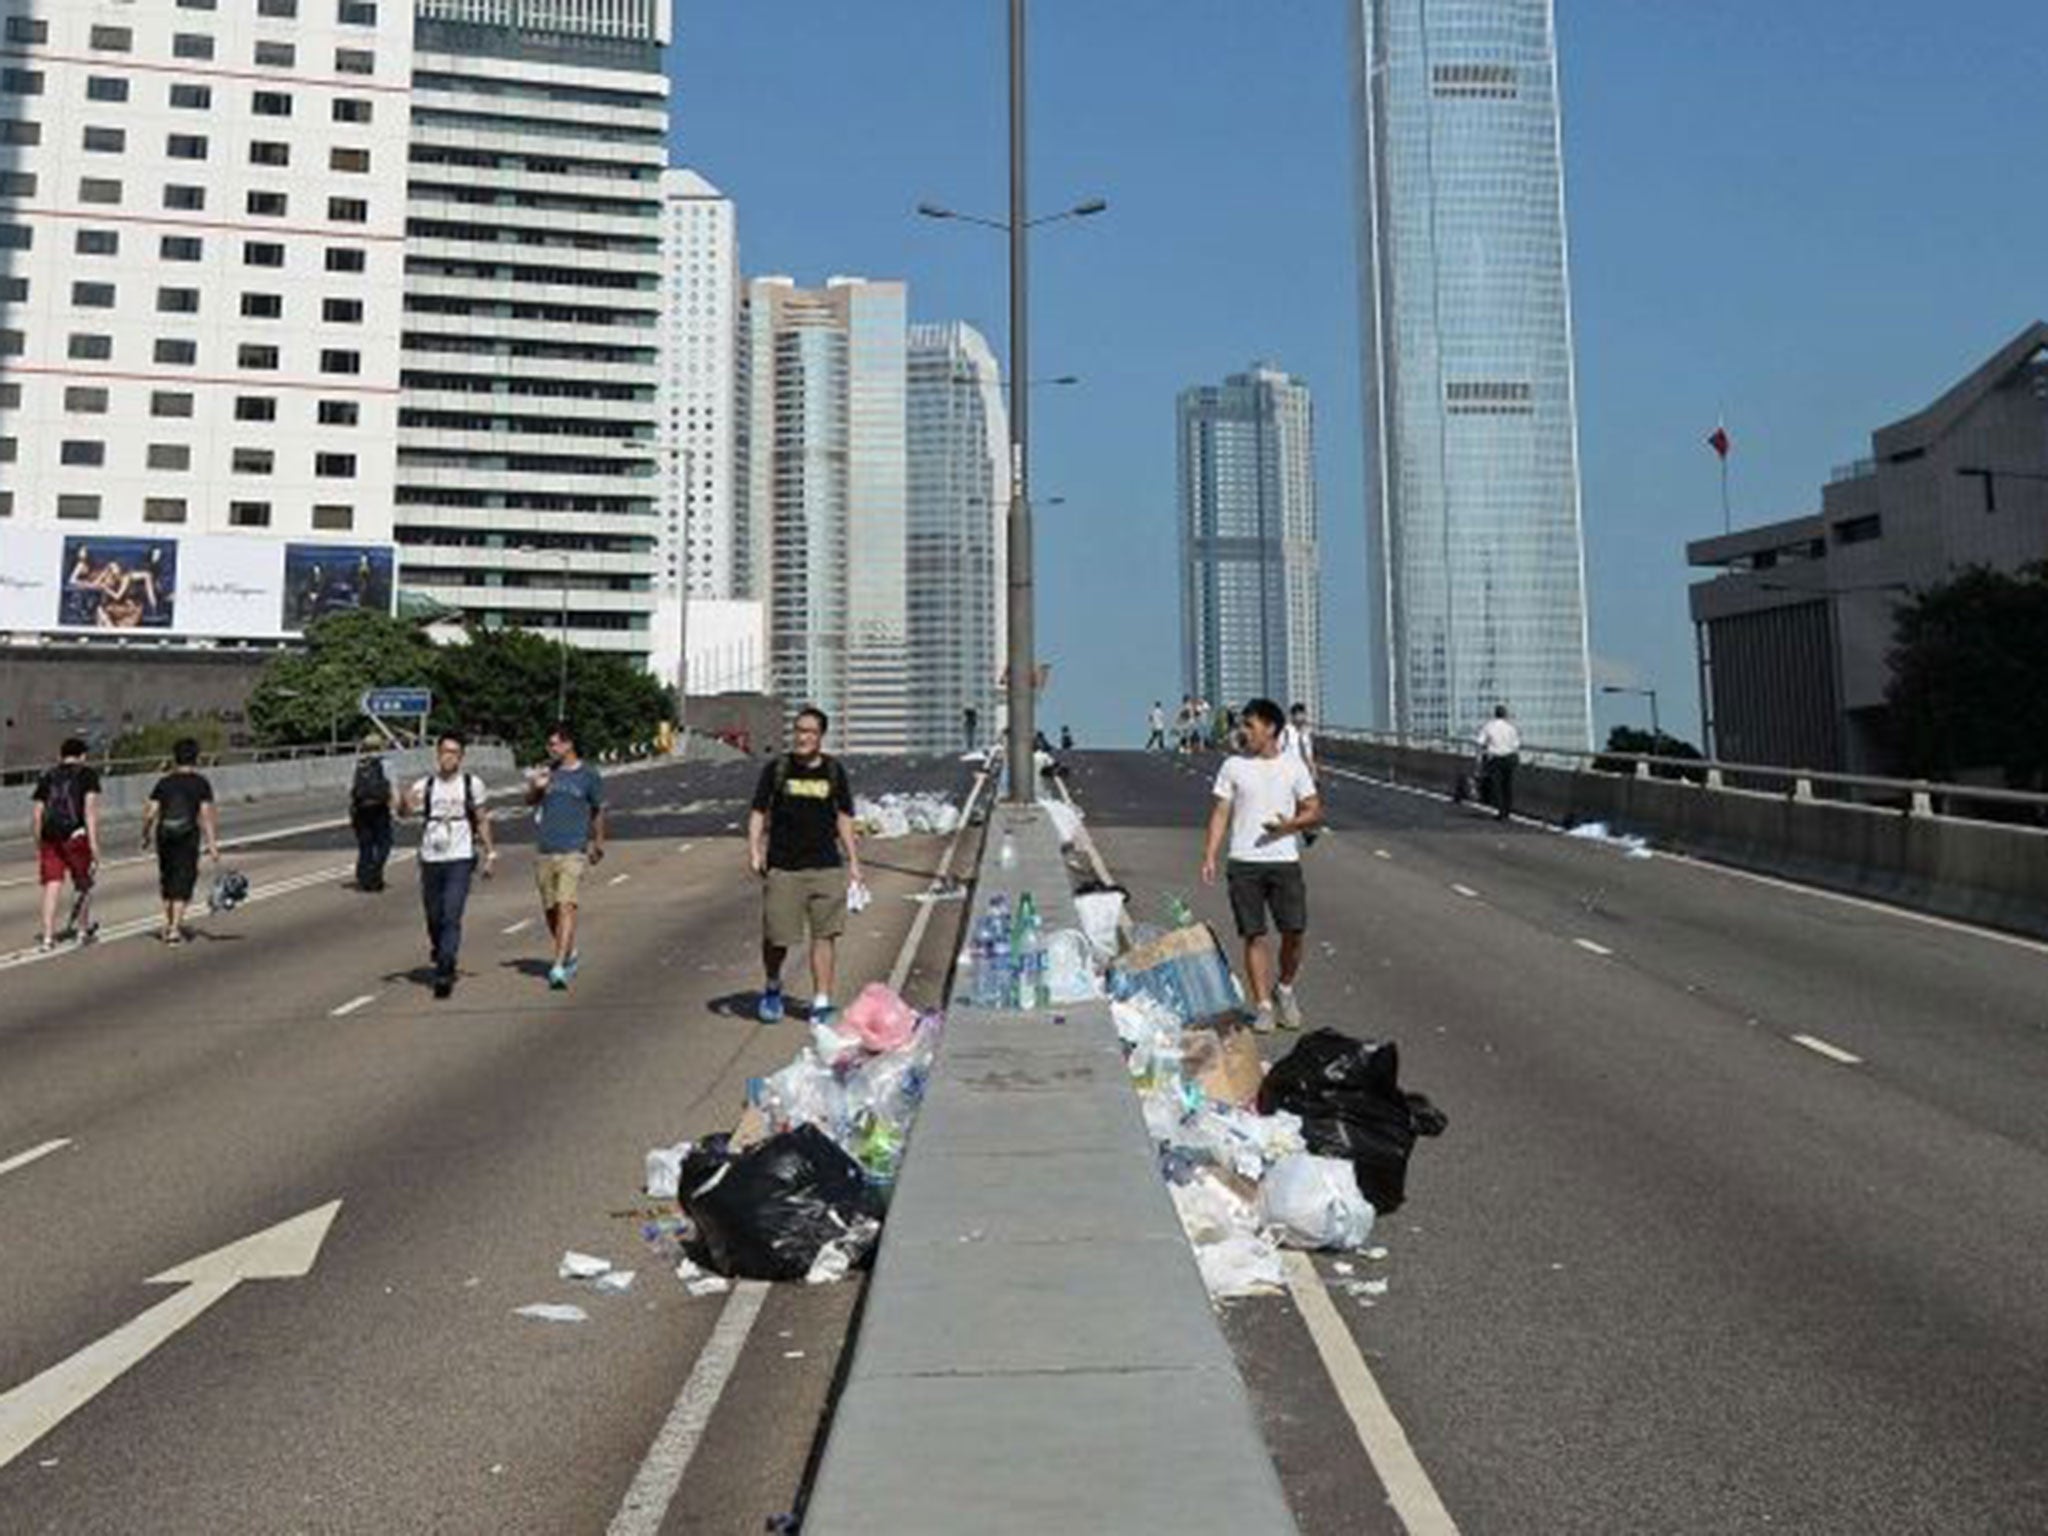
column 1289, row 1007
column 1262, row 1020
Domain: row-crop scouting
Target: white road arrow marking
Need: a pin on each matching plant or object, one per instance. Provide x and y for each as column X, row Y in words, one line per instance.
column 283, row 1252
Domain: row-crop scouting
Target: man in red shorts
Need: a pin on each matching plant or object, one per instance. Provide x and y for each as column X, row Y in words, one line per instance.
column 64, row 820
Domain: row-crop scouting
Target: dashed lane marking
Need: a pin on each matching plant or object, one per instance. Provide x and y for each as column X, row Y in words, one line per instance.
column 1465, row 890
column 619, row 879
column 686, row 848
column 34, row 1154
column 1381, row 853
column 1593, row 949
column 519, row 927
column 1833, row 1052
column 352, row 1005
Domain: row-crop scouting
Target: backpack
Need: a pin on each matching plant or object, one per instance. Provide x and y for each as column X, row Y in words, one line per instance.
column 63, row 804
column 370, row 789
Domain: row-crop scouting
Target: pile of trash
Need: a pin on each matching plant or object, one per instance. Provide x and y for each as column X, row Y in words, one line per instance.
column 901, row 815
column 799, row 1189
column 1629, row 843
column 1304, row 1156
column 1013, row 962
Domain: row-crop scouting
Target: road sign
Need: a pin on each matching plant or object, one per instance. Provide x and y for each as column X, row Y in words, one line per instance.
column 378, row 702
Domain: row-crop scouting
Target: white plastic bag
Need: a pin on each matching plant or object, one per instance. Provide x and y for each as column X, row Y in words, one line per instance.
column 1313, row 1202
column 1102, row 913
column 1070, row 967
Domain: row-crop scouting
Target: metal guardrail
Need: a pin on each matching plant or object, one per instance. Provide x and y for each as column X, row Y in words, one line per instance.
column 1924, row 797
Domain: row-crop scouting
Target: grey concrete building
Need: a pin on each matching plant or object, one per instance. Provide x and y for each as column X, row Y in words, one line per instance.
column 1794, row 629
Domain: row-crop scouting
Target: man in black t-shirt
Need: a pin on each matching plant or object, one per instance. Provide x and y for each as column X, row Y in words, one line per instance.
column 179, row 817
column 801, row 823
column 64, row 820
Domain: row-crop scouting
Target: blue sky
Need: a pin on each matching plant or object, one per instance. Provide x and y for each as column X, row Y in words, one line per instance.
column 1813, row 215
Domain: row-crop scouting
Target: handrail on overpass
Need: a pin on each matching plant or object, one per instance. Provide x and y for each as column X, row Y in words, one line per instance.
column 1915, row 797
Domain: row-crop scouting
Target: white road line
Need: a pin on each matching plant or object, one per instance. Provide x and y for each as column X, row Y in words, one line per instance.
column 1832, row 1052
column 618, row 879
column 900, row 971
column 1381, row 853
column 1408, row 1486
column 23, row 1159
column 1465, row 890
column 352, row 1005
column 645, row 1507
column 686, row 848
column 1593, row 949
column 519, row 927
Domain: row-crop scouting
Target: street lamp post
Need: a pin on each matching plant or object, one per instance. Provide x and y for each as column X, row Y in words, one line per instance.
column 1656, row 727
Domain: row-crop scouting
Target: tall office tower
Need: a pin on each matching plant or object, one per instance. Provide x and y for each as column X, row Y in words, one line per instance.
column 700, row 329
column 959, row 437
column 200, row 223
column 820, row 533
column 1251, row 589
column 528, row 477
column 1472, row 473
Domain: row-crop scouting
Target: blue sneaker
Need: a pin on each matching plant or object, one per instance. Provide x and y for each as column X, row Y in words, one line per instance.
column 569, row 965
column 769, row 1010
column 558, row 979
column 824, row 1015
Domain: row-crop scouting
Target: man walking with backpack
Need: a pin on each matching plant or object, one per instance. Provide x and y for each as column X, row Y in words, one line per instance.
column 800, row 826
column 64, row 820
column 450, row 802
column 369, row 815
column 179, row 817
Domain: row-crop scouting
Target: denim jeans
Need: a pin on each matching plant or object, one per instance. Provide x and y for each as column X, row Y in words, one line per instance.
column 444, row 888
column 373, row 850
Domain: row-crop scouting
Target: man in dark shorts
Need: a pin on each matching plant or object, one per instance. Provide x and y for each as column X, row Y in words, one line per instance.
column 180, row 817
column 64, row 820
column 1264, row 802
column 800, row 826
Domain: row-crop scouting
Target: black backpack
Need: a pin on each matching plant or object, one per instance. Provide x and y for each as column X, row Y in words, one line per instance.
column 63, row 803
column 370, row 788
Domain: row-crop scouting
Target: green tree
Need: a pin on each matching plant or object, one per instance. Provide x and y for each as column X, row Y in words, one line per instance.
column 1968, row 662
column 1638, row 743
column 306, row 695
column 502, row 683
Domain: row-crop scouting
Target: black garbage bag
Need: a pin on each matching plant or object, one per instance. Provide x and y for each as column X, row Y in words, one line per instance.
column 764, row 1213
column 1348, row 1094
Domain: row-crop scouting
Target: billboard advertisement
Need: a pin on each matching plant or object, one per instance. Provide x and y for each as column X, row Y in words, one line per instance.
column 199, row 587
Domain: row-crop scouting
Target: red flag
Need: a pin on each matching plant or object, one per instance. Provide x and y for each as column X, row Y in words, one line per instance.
column 1718, row 440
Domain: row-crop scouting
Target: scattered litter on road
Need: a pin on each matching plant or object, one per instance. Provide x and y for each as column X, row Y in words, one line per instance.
column 497, row 1469
column 1375, row 1254
column 1341, row 1268
column 664, row 1167
column 553, row 1312
column 1374, row 1287
column 614, row 1283
column 581, row 1266
column 901, row 815
column 1629, row 843
column 792, row 1354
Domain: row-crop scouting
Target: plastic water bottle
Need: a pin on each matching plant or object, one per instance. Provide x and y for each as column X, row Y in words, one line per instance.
column 1006, row 853
column 1178, row 913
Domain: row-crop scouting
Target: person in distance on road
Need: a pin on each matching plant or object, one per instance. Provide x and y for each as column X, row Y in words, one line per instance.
column 451, row 801
column 369, row 817
column 1263, row 802
column 1155, row 728
column 1500, row 748
column 64, row 821
column 569, row 796
column 1299, row 741
column 798, row 832
column 181, row 815
column 970, row 728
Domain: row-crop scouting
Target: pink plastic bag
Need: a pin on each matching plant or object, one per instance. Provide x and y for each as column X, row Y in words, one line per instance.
column 881, row 1018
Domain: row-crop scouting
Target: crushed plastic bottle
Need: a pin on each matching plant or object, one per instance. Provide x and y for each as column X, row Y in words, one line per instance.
column 1178, row 913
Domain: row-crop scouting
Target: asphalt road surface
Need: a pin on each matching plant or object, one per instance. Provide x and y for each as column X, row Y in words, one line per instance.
column 1670, row 1269
column 293, row 1057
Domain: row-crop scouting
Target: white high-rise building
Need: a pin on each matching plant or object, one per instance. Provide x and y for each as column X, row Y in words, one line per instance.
column 527, row 457
column 1251, row 576
column 959, row 452
column 202, row 215
column 700, row 332
column 820, row 534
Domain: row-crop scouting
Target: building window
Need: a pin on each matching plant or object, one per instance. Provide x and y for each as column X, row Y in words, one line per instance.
column 256, row 408
column 254, row 461
column 98, row 189
column 181, row 248
column 16, row 237
column 186, row 146
column 78, row 509
column 271, row 104
column 191, row 45
column 348, row 210
column 183, row 199
column 17, row 183
column 353, row 109
column 354, row 61
column 21, row 82
column 340, row 413
column 270, row 152
column 335, row 466
column 276, row 55
column 284, row 10
column 177, row 301
column 248, row 514
column 353, row 161
column 266, row 205
column 10, row 449
column 176, row 353
column 1859, row 530
column 345, row 258
column 90, row 349
column 83, row 453
column 192, row 98
column 85, row 400
column 258, row 359
column 20, row 130
column 171, row 456
column 356, row 13
column 335, row 361
column 263, row 306
column 342, row 311
column 105, row 88
column 112, row 39
column 6, row 503
column 1493, row 82
column 106, row 141
column 10, row 396
column 170, row 405
column 163, row 509
column 93, row 295
column 333, row 519
column 196, row 5
column 27, row 29
column 96, row 242
column 262, row 253
column 13, row 290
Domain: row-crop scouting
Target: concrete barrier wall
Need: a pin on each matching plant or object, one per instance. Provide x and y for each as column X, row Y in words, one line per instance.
column 123, row 798
column 1975, row 871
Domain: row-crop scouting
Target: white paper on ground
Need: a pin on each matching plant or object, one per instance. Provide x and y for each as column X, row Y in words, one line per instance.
column 665, row 1169
column 553, row 1312
column 709, row 1285
column 581, row 1266
column 615, row 1282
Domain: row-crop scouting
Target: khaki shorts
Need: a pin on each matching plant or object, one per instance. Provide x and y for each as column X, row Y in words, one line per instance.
column 560, row 877
column 800, row 899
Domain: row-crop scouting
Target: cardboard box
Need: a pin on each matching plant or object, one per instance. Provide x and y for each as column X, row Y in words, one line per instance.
column 1224, row 1063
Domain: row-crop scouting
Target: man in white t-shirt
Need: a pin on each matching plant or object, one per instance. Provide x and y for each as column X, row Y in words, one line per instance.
column 450, row 803
column 1500, row 748
column 1264, row 802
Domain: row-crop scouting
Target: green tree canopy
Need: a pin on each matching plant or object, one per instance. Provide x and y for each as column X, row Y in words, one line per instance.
column 1968, row 666
column 303, row 695
column 503, row 684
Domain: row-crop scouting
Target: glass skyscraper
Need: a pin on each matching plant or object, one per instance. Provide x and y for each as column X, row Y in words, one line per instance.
column 1472, row 476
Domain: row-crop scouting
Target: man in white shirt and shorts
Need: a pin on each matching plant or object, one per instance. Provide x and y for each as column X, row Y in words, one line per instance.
column 1264, row 802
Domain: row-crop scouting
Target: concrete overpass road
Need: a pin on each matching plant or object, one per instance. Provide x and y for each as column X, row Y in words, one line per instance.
column 1739, row 1222
column 362, row 1369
